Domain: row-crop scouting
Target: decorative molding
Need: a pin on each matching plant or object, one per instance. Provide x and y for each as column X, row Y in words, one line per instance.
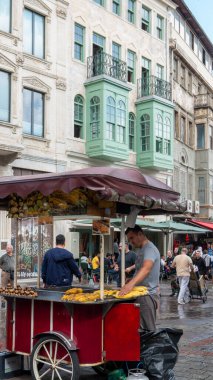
column 37, row 84
column 61, row 12
column 64, row 2
column 19, row 59
column 40, row 5
column 61, row 84
column 7, row 63
column 80, row 20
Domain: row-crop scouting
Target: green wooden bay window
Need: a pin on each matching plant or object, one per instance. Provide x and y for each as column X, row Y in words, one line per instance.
column 110, row 122
column 95, row 117
column 131, row 131
column 78, row 116
column 121, row 121
column 145, row 132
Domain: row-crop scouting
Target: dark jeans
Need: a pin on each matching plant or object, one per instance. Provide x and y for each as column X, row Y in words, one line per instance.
column 148, row 307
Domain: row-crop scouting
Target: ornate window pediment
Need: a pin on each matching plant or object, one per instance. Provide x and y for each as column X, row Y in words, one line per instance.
column 39, row 6
column 7, row 64
column 36, row 84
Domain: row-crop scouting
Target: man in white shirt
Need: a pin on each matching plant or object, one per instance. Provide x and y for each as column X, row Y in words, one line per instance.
column 183, row 265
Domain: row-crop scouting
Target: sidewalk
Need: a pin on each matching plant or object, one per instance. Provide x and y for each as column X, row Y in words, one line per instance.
column 196, row 345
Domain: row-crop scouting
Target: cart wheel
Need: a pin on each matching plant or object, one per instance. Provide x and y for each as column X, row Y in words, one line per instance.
column 52, row 360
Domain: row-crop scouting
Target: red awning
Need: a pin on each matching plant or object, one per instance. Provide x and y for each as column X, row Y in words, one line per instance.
column 199, row 223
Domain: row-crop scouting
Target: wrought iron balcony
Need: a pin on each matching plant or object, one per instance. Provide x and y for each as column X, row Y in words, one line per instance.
column 105, row 64
column 203, row 100
column 153, row 85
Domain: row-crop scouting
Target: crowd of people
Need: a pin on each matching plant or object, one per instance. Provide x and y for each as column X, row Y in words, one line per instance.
column 178, row 266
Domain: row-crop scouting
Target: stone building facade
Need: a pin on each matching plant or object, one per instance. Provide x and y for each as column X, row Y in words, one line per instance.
column 89, row 83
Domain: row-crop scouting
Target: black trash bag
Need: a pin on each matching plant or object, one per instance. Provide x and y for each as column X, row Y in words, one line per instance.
column 159, row 352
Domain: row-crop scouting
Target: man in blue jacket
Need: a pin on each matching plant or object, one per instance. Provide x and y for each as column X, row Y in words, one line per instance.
column 59, row 265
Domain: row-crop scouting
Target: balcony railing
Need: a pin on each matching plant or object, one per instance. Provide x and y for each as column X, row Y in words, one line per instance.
column 203, row 100
column 154, row 86
column 105, row 64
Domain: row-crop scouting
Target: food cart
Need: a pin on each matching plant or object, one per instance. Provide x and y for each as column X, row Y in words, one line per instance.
column 60, row 336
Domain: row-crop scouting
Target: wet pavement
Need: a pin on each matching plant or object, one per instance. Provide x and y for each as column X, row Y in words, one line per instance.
column 196, row 345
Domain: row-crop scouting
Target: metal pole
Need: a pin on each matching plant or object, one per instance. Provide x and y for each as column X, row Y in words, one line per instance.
column 102, row 266
column 39, row 254
column 123, row 250
column 16, row 250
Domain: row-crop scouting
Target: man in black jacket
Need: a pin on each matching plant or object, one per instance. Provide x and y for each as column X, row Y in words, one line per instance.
column 59, row 265
column 200, row 263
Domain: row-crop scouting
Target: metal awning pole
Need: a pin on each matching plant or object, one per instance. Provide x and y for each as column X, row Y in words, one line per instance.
column 123, row 250
column 102, row 266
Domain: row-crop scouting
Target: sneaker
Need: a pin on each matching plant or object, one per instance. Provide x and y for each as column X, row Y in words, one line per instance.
column 181, row 302
column 171, row 295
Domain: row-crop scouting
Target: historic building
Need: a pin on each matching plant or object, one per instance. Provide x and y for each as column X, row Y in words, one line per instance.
column 191, row 63
column 107, row 82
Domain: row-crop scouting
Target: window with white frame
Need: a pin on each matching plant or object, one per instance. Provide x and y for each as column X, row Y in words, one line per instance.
column 159, row 27
column 145, row 132
column 182, row 129
column 121, row 121
column 5, row 87
column 159, row 71
column 5, row 15
column 131, row 131
column 190, row 186
column 116, row 7
column 34, row 33
column 200, row 136
column 131, row 11
column 116, row 50
column 79, row 42
column 100, row 2
column 201, row 190
column 159, row 134
column 95, row 117
column 131, row 66
column 146, row 19
column 110, row 118
column 33, row 112
column 78, row 116
column 167, row 137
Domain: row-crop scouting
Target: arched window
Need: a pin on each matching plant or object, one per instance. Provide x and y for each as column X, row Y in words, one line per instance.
column 167, row 136
column 159, row 134
column 110, row 127
column 121, row 121
column 78, row 116
column 95, row 117
column 131, row 131
column 145, row 132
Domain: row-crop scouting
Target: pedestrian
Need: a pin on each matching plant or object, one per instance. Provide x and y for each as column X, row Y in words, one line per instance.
column 130, row 258
column 207, row 259
column 171, row 273
column 7, row 264
column 183, row 265
column 147, row 272
column 59, row 266
column 200, row 264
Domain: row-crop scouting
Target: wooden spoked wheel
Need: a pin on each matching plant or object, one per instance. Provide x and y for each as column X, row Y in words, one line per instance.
column 51, row 359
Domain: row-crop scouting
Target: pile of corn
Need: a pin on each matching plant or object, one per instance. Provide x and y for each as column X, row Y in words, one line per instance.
column 77, row 294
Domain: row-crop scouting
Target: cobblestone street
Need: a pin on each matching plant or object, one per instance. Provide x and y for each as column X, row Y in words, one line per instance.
column 196, row 345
